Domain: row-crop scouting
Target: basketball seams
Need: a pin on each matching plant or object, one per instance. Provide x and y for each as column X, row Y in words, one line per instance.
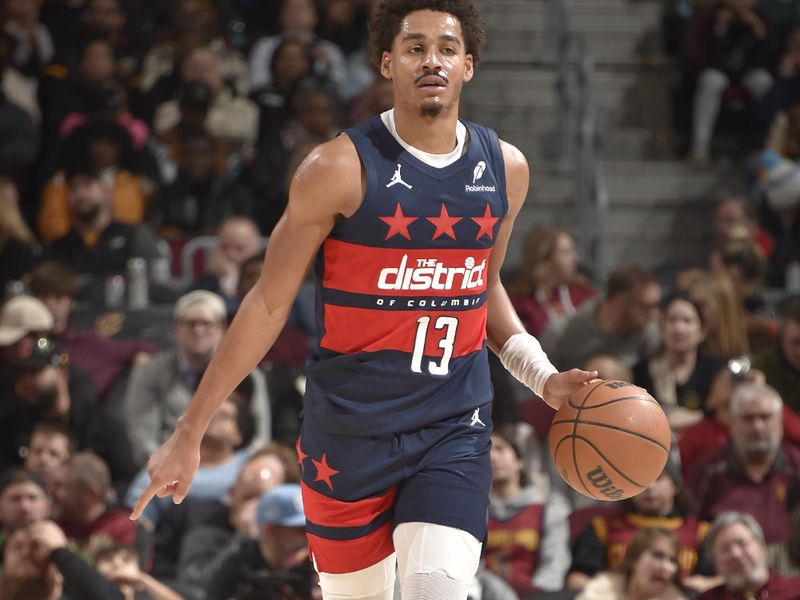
column 610, row 464
column 616, row 428
column 646, row 398
column 574, row 434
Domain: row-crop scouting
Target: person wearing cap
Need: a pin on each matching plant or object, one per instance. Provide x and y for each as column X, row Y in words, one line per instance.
column 738, row 548
column 281, row 545
column 21, row 317
column 603, row 542
column 756, row 470
column 46, row 388
column 95, row 242
column 159, row 390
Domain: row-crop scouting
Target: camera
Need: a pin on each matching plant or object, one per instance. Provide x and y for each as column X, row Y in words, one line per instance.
column 739, row 368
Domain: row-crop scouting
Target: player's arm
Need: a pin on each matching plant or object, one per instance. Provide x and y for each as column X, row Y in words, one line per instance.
column 327, row 185
column 520, row 352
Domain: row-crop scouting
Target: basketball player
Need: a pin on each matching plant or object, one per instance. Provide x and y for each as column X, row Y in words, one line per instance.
column 407, row 218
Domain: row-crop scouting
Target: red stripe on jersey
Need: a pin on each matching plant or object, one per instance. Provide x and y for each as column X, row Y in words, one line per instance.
column 337, row 556
column 404, row 272
column 329, row 512
column 349, row 330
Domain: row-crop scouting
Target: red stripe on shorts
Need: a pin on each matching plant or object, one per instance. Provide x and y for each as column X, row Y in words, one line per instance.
column 337, row 556
column 329, row 512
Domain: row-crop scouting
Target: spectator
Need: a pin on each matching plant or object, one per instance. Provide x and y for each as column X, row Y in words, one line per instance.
column 108, row 102
column 104, row 359
column 733, row 223
column 739, row 550
column 32, row 40
column 83, row 504
column 18, row 246
column 202, row 196
column 681, row 375
column 97, row 244
column 49, row 448
column 37, row 564
column 602, row 544
column 754, row 472
column 159, row 390
column 548, row 289
column 199, row 533
column 526, row 543
column 780, row 363
column 119, row 564
column 723, row 316
column 104, row 148
column 318, row 117
column 298, row 19
column 775, row 110
column 779, row 180
column 609, row 367
column 238, row 239
column 648, row 571
column 66, row 90
column 736, row 51
column 194, row 24
column 21, row 319
column 221, row 455
column 23, row 500
column 108, row 18
column 745, row 265
column 46, row 387
column 233, row 119
column 291, row 63
column 623, row 324
column 277, row 562
column 376, row 98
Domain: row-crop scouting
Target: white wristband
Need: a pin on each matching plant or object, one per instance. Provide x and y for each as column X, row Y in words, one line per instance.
column 524, row 358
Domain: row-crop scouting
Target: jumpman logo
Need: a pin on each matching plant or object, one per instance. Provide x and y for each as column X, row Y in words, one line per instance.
column 476, row 419
column 396, row 178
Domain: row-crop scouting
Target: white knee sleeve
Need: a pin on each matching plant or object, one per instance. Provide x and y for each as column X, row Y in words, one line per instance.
column 373, row 583
column 433, row 560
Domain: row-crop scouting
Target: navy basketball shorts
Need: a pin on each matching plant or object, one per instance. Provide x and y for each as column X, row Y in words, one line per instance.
column 357, row 488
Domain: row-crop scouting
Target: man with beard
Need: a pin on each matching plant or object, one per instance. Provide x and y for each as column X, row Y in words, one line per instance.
column 23, row 500
column 755, row 472
column 97, row 244
column 737, row 546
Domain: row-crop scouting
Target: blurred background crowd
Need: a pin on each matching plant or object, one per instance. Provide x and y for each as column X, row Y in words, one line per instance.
column 146, row 150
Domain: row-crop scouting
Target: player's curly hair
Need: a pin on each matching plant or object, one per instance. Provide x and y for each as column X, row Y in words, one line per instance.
column 388, row 15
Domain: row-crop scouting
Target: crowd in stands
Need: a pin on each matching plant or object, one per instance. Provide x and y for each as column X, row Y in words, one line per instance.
column 169, row 132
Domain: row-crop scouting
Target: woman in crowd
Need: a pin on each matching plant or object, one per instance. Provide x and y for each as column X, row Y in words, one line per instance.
column 548, row 289
column 648, row 571
column 680, row 375
column 723, row 315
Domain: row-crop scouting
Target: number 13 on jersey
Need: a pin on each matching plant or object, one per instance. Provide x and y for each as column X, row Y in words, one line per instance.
column 450, row 325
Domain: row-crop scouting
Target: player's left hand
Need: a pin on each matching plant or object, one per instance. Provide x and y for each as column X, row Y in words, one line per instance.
column 560, row 386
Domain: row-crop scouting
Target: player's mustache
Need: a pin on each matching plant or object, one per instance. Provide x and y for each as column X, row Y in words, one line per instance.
column 440, row 74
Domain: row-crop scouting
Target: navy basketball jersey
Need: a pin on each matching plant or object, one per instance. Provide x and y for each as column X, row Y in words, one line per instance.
column 402, row 287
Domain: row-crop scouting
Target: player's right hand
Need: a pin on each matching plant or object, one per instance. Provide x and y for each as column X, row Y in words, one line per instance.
column 171, row 469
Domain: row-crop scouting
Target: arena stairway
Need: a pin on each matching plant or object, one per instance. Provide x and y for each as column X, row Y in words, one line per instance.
column 660, row 205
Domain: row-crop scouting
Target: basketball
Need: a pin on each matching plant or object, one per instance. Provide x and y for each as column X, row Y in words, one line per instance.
column 610, row 440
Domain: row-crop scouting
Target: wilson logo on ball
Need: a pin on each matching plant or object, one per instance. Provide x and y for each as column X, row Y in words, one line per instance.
column 603, row 483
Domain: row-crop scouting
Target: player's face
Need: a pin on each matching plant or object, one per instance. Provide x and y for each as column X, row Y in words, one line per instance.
column 739, row 557
column 681, row 328
column 656, row 567
column 790, row 343
column 428, row 62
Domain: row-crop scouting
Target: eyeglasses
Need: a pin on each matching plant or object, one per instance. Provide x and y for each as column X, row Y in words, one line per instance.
column 199, row 324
